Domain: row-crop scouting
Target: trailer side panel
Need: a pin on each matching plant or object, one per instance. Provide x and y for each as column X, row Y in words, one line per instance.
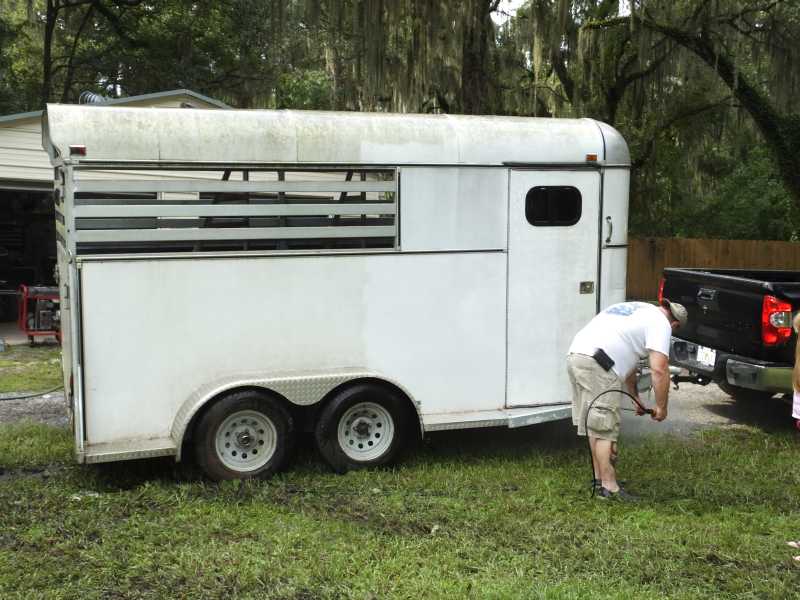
column 161, row 328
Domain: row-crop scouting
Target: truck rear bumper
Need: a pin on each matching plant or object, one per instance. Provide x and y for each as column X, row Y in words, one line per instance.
column 769, row 378
column 740, row 371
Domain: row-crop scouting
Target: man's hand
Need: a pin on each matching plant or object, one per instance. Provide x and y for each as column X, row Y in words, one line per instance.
column 659, row 414
column 639, row 411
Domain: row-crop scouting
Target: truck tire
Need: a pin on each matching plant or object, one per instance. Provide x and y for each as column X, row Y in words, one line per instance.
column 741, row 394
column 244, row 435
column 365, row 425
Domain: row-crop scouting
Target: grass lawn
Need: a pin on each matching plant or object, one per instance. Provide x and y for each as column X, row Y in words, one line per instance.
column 489, row 514
column 25, row 369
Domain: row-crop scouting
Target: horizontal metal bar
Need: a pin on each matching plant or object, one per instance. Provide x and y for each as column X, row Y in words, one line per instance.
column 87, row 164
column 126, row 450
column 231, row 233
column 233, row 210
column 250, row 254
column 138, row 186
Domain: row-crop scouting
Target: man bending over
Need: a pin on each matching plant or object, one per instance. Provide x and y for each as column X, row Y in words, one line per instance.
column 603, row 356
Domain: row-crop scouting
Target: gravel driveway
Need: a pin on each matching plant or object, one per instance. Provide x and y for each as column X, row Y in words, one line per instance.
column 696, row 406
column 50, row 409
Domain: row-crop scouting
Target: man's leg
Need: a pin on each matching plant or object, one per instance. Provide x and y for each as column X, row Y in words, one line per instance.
column 601, row 458
column 595, row 466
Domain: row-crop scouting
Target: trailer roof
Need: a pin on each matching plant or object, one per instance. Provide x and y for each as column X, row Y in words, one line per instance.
column 166, row 135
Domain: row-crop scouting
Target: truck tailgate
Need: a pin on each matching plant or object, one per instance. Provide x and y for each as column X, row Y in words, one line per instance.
column 724, row 310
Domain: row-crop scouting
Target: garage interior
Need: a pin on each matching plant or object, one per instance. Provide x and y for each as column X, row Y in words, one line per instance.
column 27, row 244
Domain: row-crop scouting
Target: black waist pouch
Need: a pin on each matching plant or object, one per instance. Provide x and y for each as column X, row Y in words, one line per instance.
column 603, row 359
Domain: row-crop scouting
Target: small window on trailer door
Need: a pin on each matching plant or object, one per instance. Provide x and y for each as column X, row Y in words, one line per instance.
column 553, row 206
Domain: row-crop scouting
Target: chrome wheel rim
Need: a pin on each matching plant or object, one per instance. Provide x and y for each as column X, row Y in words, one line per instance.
column 246, row 441
column 366, row 431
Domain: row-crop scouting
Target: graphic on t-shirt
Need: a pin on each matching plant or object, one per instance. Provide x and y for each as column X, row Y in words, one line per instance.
column 626, row 309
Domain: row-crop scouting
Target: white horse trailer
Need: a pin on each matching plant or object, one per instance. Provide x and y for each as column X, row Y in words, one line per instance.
column 229, row 278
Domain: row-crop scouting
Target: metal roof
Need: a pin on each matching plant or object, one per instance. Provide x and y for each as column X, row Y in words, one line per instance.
column 126, row 100
column 308, row 137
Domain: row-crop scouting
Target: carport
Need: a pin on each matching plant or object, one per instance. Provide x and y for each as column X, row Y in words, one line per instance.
column 27, row 230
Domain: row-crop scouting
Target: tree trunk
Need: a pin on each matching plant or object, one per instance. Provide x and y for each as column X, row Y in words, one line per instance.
column 71, row 61
column 47, row 56
column 475, row 53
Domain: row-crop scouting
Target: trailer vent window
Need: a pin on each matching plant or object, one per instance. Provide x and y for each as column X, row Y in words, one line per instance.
column 553, row 206
column 235, row 210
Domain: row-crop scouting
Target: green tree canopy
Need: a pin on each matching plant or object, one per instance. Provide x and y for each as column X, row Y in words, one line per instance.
column 703, row 90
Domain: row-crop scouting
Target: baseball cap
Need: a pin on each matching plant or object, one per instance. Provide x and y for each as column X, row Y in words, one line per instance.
column 678, row 311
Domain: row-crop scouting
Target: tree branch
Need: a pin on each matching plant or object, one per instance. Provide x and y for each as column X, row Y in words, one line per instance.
column 114, row 20
column 677, row 117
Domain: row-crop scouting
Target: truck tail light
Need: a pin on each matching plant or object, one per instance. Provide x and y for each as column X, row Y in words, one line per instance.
column 776, row 321
column 660, row 290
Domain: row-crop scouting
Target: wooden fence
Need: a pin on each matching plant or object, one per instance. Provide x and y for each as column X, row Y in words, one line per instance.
column 647, row 257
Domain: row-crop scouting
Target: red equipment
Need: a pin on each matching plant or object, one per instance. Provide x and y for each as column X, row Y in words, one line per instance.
column 39, row 312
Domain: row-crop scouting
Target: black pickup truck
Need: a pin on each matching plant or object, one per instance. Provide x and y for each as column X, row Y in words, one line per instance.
column 739, row 334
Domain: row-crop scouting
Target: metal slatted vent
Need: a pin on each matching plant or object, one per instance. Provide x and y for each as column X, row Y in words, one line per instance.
column 235, row 210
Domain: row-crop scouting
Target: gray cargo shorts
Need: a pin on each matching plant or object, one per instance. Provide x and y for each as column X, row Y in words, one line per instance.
column 588, row 379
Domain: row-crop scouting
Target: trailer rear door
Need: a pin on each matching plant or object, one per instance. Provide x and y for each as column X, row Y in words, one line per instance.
column 552, row 278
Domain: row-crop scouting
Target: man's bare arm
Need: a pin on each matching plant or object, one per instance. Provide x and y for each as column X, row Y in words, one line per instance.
column 659, row 369
column 630, row 383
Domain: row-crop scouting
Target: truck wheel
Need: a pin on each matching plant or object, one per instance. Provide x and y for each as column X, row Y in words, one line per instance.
column 246, row 434
column 362, row 426
column 744, row 394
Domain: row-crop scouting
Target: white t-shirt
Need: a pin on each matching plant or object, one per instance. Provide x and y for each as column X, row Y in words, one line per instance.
column 626, row 332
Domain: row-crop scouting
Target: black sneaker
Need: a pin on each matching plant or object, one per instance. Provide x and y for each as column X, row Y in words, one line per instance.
column 620, row 495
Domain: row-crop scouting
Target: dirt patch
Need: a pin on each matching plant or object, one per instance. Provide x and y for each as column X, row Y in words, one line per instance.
column 38, row 473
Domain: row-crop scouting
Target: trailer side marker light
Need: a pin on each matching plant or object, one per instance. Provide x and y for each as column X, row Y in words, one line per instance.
column 77, row 150
column 591, row 158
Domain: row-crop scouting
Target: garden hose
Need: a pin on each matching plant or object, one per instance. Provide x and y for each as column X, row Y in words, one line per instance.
column 33, row 395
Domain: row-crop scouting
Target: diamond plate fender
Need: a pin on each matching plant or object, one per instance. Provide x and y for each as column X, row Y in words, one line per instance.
column 302, row 389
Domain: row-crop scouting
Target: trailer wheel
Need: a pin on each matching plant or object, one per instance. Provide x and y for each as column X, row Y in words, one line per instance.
column 246, row 434
column 365, row 425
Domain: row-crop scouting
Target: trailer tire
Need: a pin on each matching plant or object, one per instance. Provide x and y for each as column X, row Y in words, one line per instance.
column 741, row 394
column 244, row 435
column 362, row 426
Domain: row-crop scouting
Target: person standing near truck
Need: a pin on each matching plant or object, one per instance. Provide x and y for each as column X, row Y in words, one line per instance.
column 796, row 373
column 603, row 356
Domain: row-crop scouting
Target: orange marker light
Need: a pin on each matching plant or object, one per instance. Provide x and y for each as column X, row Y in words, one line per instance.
column 591, row 158
column 77, row 150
